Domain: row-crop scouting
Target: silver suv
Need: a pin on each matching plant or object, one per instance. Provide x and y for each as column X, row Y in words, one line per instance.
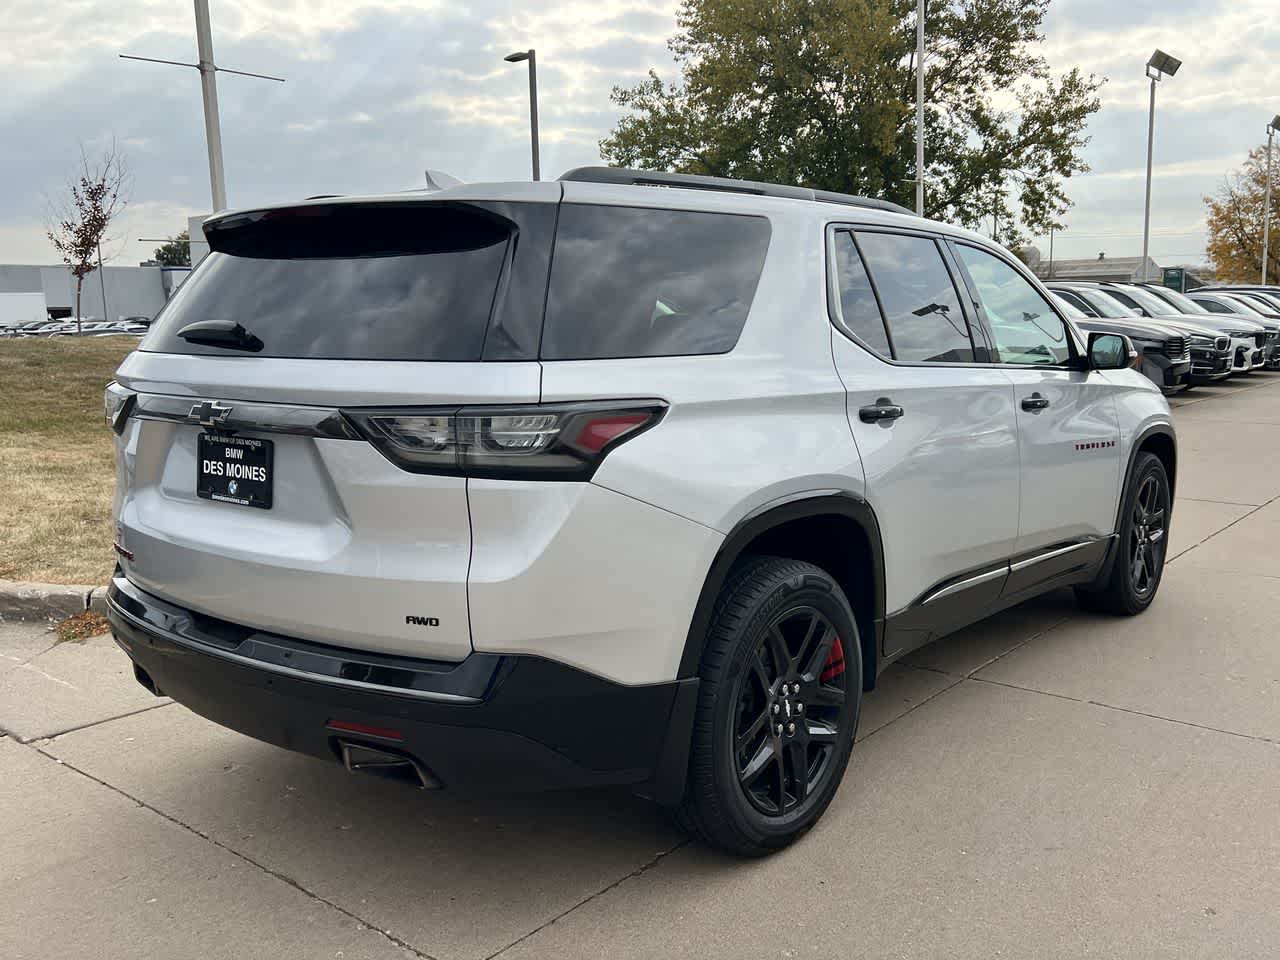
column 627, row 478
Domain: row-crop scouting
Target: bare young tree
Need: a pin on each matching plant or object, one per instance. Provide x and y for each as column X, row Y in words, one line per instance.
column 78, row 220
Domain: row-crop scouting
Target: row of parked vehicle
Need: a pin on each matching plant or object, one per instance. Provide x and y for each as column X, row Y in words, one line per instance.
column 1183, row 339
column 67, row 327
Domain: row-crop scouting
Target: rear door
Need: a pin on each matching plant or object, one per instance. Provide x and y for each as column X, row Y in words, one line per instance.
column 935, row 427
column 248, row 495
column 1068, row 431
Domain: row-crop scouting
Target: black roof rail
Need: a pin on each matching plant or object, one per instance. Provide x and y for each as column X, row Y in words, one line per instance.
column 689, row 181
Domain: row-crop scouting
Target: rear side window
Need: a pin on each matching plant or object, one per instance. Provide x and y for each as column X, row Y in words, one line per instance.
column 859, row 311
column 919, row 299
column 635, row 282
column 410, row 282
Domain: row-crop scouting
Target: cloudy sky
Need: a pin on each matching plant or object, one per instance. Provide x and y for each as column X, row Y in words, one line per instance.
column 379, row 89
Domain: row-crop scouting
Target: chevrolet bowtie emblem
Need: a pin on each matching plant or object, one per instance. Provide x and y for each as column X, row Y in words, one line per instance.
column 209, row 413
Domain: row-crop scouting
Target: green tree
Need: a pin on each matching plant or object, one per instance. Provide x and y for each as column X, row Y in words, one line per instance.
column 821, row 93
column 176, row 252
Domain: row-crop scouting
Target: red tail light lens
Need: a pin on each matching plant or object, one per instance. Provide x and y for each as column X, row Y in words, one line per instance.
column 542, row 442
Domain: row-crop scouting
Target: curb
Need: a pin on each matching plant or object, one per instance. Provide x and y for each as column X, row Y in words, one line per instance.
column 48, row 601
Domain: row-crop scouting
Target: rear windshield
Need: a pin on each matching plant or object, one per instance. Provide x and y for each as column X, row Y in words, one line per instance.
column 637, row 282
column 348, row 282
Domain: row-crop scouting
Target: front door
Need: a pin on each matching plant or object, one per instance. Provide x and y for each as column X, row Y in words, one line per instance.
column 1068, row 432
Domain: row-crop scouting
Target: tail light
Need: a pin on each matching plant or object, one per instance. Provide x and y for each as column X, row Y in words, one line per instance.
column 117, row 404
column 543, row 442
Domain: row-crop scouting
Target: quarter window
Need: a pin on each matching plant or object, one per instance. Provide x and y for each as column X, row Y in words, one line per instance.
column 858, row 308
column 921, row 308
column 1025, row 327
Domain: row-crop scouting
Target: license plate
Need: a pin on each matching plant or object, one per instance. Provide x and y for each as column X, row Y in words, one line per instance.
column 234, row 469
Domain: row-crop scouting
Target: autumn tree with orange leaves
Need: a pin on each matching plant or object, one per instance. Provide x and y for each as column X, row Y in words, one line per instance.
column 1235, row 221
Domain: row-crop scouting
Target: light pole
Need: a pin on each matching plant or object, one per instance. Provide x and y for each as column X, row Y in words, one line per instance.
column 1272, row 127
column 531, row 56
column 209, row 91
column 920, row 107
column 1160, row 65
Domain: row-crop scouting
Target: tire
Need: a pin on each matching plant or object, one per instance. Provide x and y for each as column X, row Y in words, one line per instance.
column 744, row 794
column 1141, row 544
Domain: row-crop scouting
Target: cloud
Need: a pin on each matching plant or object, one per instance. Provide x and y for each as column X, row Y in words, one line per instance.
column 377, row 90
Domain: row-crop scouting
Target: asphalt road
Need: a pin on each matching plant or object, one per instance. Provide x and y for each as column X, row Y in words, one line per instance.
column 1045, row 784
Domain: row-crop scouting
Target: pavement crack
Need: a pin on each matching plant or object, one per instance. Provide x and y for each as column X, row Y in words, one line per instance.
column 283, row 878
column 1129, row 710
column 95, row 723
column 587, row 899
column 1240, row 519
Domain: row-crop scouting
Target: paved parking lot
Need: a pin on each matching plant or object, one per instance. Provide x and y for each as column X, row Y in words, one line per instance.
column 1045, row 784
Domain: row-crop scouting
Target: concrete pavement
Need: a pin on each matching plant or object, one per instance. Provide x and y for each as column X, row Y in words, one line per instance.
column 1047, row 783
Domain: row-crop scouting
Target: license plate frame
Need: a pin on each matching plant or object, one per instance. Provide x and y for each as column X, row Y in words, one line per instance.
column 235, row 469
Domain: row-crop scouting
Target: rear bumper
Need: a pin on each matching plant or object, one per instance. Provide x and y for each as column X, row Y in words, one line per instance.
column 487, row 722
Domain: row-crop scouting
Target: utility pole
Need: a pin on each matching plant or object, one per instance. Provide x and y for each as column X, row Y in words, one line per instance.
column 1051, row 253
column 209, row 93
column 920, row 107
column 1266, row 206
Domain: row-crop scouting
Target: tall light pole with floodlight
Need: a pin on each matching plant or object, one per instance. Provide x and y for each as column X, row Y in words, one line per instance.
column 1272, row 127
column 1160, row 65
column 531, row 56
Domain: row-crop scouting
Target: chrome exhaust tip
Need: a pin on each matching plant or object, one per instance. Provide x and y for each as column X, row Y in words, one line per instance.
column 362, row 758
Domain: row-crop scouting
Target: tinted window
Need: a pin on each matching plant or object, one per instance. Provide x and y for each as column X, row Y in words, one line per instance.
column 920, row 304
column 1213, row 306
column 859, row 311
column 1025, row 328
column 414, row 282
column 630, row 282
column 1082, row 305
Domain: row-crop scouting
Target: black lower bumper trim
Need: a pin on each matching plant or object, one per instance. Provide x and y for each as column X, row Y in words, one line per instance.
column 534, row 725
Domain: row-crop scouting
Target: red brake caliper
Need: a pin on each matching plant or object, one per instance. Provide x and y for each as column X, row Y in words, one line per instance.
column 835, row 662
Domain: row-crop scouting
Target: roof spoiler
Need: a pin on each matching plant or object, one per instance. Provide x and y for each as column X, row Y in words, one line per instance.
column 688, row 181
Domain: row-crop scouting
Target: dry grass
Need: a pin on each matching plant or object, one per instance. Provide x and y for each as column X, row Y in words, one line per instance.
column 56, row 471
column 82, row 626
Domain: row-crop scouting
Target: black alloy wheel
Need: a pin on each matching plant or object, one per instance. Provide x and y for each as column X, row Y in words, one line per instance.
column 1146, row 546
column 780, row 689
column 789, row 705
column 1133, row 574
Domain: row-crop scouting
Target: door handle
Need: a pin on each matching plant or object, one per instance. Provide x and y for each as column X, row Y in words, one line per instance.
column 1034, row 402
column 883, row 409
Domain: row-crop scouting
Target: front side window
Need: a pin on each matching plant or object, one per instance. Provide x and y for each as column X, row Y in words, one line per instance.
column 1026, row 329
column 920, row 304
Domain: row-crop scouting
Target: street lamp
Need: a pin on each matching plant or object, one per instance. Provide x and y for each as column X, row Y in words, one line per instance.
column 533, row 101
column 1160, row 65
column 1272, row 127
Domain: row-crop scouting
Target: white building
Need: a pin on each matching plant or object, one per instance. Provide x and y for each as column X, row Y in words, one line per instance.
column 130, row 291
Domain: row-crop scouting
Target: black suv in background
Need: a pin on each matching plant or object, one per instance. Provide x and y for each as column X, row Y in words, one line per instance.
column 1165, row 349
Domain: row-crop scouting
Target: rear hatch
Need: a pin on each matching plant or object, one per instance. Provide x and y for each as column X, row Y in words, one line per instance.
column 247, row 493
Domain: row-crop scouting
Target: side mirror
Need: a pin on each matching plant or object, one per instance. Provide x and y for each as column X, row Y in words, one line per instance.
column 1111, row 351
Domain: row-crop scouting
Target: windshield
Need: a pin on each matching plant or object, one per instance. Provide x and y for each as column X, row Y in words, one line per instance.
column 1179, row 300
column 1243, row 305
column 1105, row 305
column 1153, row 304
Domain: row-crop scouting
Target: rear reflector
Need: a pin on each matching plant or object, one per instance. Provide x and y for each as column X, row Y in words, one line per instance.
column 347, row 726
column 536, row 442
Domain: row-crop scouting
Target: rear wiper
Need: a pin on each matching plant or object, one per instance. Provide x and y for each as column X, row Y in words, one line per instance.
column 221, row 333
